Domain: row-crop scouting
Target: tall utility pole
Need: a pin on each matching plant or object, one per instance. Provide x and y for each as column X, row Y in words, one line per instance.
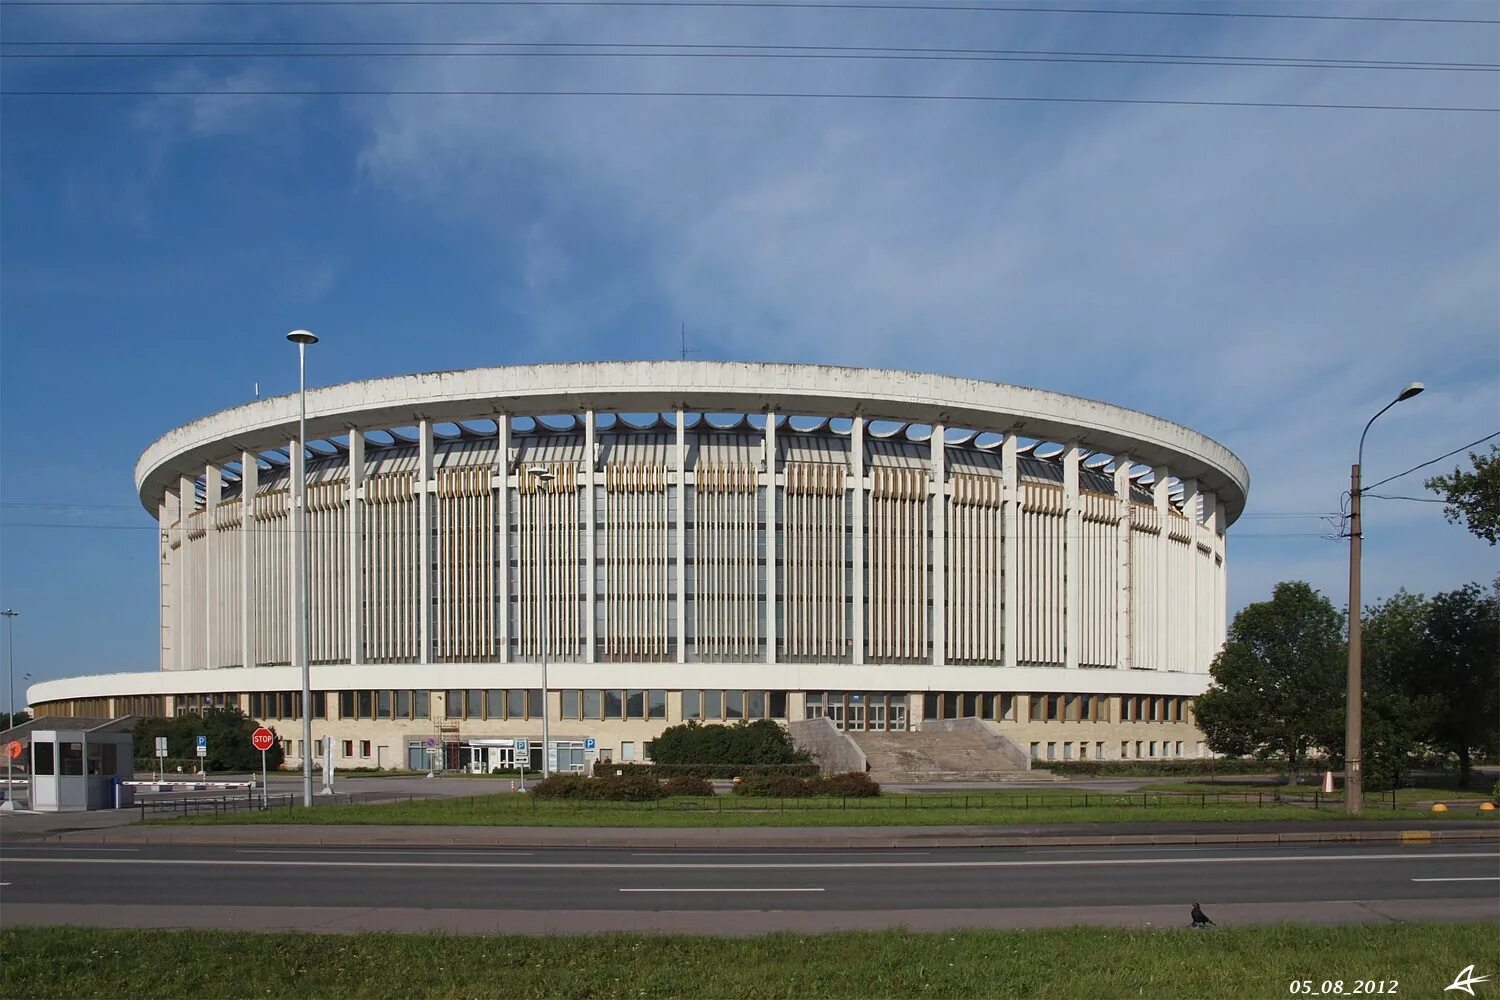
column 10, row 701
column 299, row 530
column 1353, row 712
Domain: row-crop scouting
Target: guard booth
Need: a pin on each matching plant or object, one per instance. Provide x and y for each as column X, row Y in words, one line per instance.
column 76, row 764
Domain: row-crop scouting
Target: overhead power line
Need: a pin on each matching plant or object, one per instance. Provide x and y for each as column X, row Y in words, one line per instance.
column 973, row 8
column 1317, row 61
column 407, row 50
column 1431, row 461
column 751, row 95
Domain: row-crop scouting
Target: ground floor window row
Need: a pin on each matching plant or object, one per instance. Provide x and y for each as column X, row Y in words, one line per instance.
column 858, row 711
column 715, row 706
column 1129, row 749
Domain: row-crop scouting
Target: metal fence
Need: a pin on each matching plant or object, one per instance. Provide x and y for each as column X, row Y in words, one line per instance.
column 217, row 805
column 978, row 800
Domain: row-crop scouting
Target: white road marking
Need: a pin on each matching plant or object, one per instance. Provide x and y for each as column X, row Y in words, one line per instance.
column 407, row 851
column 1477, row 878
column 722, row 890
column 48, row 847
column 820, row 866
column 780, row 854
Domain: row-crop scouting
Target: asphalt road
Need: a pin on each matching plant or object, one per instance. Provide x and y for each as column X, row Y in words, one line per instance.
column 560, row 890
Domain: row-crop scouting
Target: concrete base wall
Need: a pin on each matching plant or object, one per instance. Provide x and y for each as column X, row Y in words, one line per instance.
column 834, row 751
column 988, row 732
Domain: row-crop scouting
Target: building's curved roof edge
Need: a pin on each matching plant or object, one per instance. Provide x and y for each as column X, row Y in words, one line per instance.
column 811, row 389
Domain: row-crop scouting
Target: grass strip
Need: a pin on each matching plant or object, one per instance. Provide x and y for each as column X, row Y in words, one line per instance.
column 919, row 809
column 1416, row 960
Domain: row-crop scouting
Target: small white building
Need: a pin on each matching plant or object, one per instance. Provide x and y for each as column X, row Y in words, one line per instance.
column 76, row 763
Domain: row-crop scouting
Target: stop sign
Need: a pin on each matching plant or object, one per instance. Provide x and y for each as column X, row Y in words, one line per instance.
column 262, row 739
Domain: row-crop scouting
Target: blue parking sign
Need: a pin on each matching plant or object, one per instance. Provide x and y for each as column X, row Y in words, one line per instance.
column 203, row 741
column 521, row 745
column 589, row 743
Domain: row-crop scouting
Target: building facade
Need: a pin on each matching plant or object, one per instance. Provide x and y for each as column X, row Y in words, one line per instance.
column 679, row 540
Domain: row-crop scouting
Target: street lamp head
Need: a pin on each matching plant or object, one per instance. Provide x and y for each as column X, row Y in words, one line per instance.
column 302, row 337
column 1412, row 389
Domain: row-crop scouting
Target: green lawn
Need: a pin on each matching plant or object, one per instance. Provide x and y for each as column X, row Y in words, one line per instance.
column 920, row 809
column 1268, row 787
column 1415, row 960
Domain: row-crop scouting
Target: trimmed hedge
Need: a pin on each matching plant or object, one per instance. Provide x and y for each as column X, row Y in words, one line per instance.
column 684, row 784
column 720, row 771
column 738, row 744
column 610, row 788
column 1153, row 768
column 854, row 784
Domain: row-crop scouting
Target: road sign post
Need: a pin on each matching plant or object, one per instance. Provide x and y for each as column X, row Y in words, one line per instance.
column 161, row 758
column 262, row 740
column 523, row 749
column 203, row 756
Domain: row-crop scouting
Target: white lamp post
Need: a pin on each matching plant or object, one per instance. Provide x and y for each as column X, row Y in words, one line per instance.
column 10, row 623
column 299, row 528
column 1353, row 712
column 545, row 476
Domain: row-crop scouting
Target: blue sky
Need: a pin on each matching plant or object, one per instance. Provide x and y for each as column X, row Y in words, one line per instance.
column 1270, row 276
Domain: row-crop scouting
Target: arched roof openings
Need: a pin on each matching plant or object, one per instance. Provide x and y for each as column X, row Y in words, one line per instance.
column 988, row 440
column 705, row 386
column 841, row 425
column 958, row 436
column 1098, row 460
column 806, row 425
column 918, row 432
column 727, row 421
column 1049, row 450
column 884, row 428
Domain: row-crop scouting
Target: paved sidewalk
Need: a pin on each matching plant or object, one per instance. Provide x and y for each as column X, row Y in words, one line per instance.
column 1061, row 834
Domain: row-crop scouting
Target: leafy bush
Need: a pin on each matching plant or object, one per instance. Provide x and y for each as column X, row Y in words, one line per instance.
column 611, row 788
column 228, row 731
column 742, row 743
column 853, row 784
column 687, row 785
column 776, row 786
column 721, row 771
column 1153, row 768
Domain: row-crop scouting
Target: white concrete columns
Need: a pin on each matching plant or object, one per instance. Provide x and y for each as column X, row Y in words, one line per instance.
column 857, row 519
column 502, row 542
column 1189, row 632
column 187, row 609
column 773, row 631
column 681, row 513
column 424, row 540
column 356, row 502
column 249, row 487
column 1011, row 492
column 213, row 611
column 1163, row 596
column 590, row 534
column 939, row 545
column 1072, row 557
column 1124, row 607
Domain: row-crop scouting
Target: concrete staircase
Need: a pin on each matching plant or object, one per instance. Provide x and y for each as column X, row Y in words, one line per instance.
column 920, row 757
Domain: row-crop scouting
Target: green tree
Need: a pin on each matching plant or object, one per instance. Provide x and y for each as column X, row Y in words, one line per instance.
column 1278, row 682
column 1473, row 498
column 228, row 731
column 1399, row 717
column 760, row 742
column 21, row 719
column 1461, row 672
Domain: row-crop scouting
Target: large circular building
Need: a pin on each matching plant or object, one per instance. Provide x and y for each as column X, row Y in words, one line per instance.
column 685, row 540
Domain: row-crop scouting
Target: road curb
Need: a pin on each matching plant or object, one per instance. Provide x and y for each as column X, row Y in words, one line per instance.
column 750, row 838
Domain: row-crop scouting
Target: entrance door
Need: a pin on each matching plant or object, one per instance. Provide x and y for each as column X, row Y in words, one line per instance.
column 856, row 721
column 836, row 714
column 898, row 714
column 876, row 712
